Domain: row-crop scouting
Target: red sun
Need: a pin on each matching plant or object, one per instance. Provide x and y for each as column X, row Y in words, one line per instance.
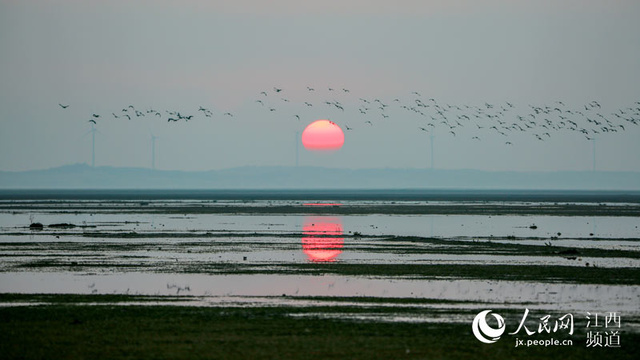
column 322, row 135
column 319, row 242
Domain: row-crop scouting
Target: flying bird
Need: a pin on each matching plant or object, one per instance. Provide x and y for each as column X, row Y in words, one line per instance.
column 92, row 121
column 63, row 106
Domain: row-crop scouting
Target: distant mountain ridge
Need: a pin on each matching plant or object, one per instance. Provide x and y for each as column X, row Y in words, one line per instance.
column 82, row 176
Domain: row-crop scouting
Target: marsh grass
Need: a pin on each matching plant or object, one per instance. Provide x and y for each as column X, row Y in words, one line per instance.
column 166, row 332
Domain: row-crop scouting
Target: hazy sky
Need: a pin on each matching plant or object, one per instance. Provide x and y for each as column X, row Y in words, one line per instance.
column 102, row 56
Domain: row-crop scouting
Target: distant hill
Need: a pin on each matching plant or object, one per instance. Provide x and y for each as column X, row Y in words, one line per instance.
column 82, row 176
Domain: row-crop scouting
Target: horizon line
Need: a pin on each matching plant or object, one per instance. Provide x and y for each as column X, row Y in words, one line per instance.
column 317, row 167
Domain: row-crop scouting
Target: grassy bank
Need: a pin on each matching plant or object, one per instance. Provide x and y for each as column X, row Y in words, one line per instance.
column 166, row 332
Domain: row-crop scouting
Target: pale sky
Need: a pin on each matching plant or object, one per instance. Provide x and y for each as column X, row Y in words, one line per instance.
column 99, row 57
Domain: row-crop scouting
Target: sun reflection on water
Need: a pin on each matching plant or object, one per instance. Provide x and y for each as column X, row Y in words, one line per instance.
column 321, row 241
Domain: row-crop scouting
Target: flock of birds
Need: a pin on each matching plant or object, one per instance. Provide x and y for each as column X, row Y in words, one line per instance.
column 130, row 112
column 589, row 120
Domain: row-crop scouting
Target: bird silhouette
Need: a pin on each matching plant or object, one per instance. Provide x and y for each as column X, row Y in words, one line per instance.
column 63, row 106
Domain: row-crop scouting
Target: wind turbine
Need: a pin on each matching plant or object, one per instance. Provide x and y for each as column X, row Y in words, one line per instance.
column 153, row 151
column 431, row 142
column 297, row 148
column 93, row 132
column 594, row 153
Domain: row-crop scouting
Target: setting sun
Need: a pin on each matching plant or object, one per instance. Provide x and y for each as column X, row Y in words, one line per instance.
column 322, row 135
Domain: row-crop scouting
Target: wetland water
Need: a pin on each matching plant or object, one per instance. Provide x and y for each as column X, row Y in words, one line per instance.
column 562, row 254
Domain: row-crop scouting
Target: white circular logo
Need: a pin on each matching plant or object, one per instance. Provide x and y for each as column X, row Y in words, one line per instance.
column 483, row 331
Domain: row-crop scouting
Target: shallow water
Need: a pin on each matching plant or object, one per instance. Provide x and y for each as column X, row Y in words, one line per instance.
column 616, row 227
column 145, row 253
column 572, row 297
column 273, row 239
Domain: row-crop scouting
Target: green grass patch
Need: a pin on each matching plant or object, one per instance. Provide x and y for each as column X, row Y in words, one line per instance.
column 532, row 273
column 165, row 332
